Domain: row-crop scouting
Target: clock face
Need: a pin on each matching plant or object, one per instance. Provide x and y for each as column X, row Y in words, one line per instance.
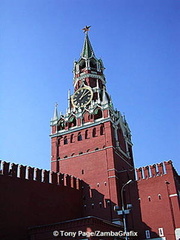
column 82, row 97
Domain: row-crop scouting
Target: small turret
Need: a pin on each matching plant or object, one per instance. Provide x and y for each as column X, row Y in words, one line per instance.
column 104, row 96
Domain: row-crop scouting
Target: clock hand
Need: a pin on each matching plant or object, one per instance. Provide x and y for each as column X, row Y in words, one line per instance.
column 84, row 94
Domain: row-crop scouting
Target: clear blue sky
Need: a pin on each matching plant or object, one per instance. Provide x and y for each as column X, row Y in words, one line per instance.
column 139, row 43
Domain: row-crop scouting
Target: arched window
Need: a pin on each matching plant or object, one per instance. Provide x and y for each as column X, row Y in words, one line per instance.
column 65, row 140
column 59, row 141
column 86, row 134
column 79, row 137
column 72, row 121
column 101, row 130
column 61, row 124
column 107, row 203
column 94, row 132
column 97, row 114
column 82, row 65
column 72, row 138
column 93, row 64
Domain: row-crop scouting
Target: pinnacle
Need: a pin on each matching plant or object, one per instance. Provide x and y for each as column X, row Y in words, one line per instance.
column 55, row 116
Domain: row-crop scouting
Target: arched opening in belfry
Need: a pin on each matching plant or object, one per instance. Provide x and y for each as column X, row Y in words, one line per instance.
column 61, row 124
column 82, row 65
column 93, row 64
column 97, row 114
column 72, row 121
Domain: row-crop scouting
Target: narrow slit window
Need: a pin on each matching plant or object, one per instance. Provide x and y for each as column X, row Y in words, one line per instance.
column 79, row 137
column 86, row 134
column 72, row 138
column 65, row 140
column 94, row 132
column 101, row 130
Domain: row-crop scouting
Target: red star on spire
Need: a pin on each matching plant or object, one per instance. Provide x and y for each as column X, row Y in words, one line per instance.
column 86, row 28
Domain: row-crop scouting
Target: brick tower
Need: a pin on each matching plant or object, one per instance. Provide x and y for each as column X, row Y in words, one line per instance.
column 92, row 140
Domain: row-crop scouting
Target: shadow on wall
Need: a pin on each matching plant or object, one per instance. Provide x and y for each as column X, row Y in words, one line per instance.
column 32, row 197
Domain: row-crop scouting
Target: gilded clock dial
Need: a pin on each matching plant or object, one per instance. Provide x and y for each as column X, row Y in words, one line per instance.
column 82, row 97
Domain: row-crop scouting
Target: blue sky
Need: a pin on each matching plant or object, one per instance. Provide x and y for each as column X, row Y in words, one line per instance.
column 138, row 42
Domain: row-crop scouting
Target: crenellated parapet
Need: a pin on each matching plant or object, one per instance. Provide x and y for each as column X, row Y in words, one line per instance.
column 39, row 175
column 154, row 170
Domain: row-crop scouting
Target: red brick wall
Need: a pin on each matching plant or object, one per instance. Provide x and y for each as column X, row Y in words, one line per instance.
column 96, row 161
column 26, row 203
column 87, row 224
column 159, row 199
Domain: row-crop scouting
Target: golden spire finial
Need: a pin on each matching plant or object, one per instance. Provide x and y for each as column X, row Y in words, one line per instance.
column 86, row 28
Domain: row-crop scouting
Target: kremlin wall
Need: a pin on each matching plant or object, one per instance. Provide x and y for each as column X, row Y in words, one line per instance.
column 32, row 197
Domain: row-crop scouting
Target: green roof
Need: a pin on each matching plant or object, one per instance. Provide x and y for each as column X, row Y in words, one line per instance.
column 87, row 51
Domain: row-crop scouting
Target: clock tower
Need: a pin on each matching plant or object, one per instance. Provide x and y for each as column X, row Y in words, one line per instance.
column 92, row 140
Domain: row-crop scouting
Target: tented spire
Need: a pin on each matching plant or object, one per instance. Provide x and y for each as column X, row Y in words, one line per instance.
column 87, row 51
